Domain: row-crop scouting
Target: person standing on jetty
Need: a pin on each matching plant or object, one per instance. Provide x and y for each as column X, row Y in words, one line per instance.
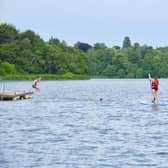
column 154, row 86
column 36, row 83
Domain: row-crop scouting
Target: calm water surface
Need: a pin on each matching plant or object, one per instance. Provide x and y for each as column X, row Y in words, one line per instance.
column 67, row 127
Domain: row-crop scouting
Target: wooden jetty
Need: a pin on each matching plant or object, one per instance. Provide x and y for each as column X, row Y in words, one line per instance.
column 15, row 95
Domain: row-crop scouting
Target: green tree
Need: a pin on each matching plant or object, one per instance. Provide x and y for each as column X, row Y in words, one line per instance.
column 29, row 34
column 100, row 46
column 126, row 42
column 54, row 41
column 8, row 33
column 7, row 68
column 82, row 46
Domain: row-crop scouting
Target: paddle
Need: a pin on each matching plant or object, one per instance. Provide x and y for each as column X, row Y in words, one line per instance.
column 150, row 80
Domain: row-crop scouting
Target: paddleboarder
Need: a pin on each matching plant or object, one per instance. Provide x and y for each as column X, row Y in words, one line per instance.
column 154, row 86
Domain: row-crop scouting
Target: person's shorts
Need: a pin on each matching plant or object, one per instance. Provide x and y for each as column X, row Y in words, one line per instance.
column 34, row 86
column 155, row 88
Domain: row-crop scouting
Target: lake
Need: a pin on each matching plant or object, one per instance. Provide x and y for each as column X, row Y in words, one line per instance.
column 66, row 126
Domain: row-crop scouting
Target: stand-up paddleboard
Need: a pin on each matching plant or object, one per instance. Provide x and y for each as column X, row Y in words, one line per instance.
column 154, row 103
column 106, row 104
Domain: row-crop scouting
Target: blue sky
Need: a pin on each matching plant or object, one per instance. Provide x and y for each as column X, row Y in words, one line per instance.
column 91, row 21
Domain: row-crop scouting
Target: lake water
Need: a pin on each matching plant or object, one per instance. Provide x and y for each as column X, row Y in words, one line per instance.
column 67, row 127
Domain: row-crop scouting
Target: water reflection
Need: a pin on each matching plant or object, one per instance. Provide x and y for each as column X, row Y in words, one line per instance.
column 155, row 107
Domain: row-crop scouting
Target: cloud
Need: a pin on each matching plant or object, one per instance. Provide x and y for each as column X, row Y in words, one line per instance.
column 90, row 20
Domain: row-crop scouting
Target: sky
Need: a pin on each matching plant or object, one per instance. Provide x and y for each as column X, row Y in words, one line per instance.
column 91, row 21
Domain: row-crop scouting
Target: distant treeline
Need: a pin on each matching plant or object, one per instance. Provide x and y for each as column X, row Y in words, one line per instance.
column 27, row 53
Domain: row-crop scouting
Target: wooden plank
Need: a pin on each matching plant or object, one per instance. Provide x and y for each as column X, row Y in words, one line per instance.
column 14, row 95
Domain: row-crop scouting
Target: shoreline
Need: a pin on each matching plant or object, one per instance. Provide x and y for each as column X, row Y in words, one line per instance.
column 67, row 76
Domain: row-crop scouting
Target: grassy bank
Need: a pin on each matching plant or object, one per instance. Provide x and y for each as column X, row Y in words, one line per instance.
column 67, row 76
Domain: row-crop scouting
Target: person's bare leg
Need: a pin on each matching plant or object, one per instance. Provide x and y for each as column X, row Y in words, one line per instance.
column 153, row 95
column 156, row 95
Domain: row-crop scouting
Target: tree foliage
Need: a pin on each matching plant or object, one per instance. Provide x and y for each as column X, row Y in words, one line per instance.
column 27, row 53
column 126, row 42
column 82, row 46
column 31, row 55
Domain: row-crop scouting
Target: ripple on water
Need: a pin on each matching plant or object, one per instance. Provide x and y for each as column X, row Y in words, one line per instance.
column 66, row 126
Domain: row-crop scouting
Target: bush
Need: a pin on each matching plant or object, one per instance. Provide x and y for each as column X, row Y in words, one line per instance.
column 7, row 68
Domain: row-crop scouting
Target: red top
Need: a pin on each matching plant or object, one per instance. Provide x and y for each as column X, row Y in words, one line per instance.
column 155, row 83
